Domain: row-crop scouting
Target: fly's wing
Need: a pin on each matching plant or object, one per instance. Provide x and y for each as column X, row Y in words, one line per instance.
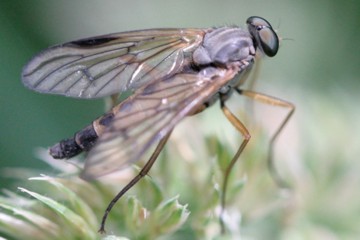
column 149, row 115
column 105, row 65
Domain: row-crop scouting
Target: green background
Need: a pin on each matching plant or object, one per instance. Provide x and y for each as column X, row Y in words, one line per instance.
column 317, row 68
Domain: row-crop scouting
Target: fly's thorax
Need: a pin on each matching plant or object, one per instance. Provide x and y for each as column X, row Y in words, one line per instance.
column 225, row 45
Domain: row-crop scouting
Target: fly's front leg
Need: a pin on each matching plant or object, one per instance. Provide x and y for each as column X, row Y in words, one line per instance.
column 275, row 102
column 246, row 135
column 141, row 174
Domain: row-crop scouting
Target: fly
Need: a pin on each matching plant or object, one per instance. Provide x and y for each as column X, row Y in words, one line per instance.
column 172, row 73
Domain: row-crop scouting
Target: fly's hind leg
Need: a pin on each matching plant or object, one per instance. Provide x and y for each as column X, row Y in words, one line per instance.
column 141, row 174
column 275, row 102
column 111, row 101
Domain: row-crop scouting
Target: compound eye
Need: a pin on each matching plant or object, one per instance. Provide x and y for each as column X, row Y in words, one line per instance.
column 265, row 37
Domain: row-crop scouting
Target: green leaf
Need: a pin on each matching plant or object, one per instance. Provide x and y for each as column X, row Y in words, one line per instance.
column 41, row 222
column 19, row 228
column 78, row 204
column 77, row 221
column 170, row 215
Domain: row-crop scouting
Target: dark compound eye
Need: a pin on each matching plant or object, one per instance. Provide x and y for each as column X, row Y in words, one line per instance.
column 265, row 37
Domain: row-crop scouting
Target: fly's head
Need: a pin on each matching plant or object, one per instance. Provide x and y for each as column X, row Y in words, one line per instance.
column 264, row 35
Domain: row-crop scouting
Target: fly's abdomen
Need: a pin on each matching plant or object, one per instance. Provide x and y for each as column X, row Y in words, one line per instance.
column 83, row 140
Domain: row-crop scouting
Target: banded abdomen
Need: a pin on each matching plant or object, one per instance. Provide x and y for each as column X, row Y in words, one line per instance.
column 83, row 140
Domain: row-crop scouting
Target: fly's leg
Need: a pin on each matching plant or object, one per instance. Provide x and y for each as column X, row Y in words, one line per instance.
column 275, row 102
column 255, row 72
column 141, row 174
column 252, row 80
column 111, row 101
column 245, row 133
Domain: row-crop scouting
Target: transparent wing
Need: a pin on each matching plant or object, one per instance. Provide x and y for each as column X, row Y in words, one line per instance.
column 149, row 115
column 104, row 65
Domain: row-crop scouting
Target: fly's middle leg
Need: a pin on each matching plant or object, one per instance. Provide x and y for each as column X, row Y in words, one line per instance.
column 246, row 135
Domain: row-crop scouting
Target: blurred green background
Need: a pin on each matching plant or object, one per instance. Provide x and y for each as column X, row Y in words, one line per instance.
column 317, row 68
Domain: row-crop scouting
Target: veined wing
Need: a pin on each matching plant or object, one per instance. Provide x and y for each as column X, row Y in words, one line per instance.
column 104, row 65
column 149, row 114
